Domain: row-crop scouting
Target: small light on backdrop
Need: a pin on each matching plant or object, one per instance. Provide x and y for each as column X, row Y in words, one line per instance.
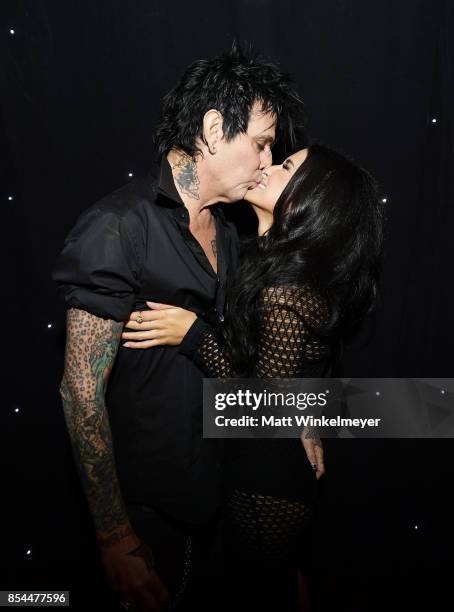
column 10, row 198
column 377, row 392
column 434, row 120
column 384, row 200
column 130, row 174
column 12, row 32
column 16, row 409
column 49, row 325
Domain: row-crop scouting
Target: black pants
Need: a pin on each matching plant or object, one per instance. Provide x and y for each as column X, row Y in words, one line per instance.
column 186, row 556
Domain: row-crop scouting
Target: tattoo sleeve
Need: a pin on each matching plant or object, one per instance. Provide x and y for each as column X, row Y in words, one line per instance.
column 91, row 347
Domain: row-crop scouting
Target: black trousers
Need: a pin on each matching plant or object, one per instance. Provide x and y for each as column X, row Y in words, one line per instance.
column 187, row 556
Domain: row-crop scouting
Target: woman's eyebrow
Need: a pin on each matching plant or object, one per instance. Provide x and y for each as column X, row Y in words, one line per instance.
column 289, row 161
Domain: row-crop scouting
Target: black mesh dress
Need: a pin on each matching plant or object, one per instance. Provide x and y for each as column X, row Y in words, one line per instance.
column 270, row 486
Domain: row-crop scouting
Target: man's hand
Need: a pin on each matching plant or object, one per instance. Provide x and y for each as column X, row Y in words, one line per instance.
column 314, row 450
column 131, row 575
column 162, row 324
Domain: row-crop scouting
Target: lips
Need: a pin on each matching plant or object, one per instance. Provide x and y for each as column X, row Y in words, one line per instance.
column 261, row 184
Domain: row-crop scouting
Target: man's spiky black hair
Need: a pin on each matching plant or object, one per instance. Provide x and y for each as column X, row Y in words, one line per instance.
column 230, row 83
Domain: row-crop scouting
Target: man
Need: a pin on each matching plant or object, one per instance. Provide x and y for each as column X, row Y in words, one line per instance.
column 134, row 417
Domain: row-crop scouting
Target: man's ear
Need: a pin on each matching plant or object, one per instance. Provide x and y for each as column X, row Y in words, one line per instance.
column 212, row 129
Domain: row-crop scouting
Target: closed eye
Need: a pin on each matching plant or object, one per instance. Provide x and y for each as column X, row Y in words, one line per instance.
column 264, row 144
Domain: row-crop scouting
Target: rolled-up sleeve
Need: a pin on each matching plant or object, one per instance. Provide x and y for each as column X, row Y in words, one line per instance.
column 98, row 269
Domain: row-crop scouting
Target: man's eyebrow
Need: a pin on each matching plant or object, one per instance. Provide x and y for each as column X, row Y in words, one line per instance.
column 268, row 139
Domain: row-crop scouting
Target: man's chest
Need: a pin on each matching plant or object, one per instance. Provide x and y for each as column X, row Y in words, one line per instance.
column 207, row 240
column 178, row 267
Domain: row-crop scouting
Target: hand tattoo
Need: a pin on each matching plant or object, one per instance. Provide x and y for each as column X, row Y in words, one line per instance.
column 145, row 553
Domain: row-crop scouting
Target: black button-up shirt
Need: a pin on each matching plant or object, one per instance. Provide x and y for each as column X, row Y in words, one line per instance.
column 135, row 245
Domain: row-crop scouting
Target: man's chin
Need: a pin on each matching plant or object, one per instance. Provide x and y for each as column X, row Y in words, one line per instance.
column 238, row 196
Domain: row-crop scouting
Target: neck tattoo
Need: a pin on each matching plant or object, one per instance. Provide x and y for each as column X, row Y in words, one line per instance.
column 185, row 174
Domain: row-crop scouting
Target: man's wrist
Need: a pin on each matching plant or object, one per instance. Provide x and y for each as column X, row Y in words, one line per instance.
column 121, row 539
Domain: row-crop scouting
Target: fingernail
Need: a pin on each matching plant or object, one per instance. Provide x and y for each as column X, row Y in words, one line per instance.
column 125, row 344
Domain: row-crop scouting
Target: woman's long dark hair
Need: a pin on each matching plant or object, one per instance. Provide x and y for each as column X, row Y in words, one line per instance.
column 328, row 234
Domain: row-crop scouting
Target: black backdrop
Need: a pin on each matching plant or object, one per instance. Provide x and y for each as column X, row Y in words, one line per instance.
column 81, row 86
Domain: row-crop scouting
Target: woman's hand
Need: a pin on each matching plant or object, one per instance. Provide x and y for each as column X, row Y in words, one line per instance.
column 314, row 450
column 162, row 324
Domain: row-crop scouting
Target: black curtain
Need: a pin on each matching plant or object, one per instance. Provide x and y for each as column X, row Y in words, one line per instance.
column 81, row 87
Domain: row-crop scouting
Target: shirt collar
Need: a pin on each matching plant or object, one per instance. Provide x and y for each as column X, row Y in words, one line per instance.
column 162, row 173
column 166, row 184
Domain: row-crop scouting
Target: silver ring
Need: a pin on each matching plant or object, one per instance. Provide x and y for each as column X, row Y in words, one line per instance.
column 139, row 318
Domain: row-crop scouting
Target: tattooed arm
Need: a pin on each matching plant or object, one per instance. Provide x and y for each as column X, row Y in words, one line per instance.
column 91, row 347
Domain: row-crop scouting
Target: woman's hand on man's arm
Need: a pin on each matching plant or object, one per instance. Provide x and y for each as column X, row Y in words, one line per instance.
column 163, row 324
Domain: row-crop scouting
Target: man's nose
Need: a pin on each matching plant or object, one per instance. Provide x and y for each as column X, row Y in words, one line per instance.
column 269, row 171
column 266, row 159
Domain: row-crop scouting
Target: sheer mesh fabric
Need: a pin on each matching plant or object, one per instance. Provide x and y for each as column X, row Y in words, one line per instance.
column 268, row 529
column 285, row 348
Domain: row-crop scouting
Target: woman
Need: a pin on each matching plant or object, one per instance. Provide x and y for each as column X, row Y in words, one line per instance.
column 303, row 286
